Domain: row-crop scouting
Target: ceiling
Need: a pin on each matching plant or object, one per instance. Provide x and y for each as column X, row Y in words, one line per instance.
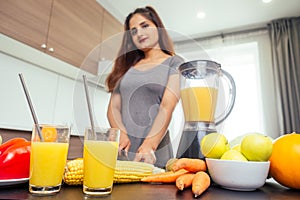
column 222, row 16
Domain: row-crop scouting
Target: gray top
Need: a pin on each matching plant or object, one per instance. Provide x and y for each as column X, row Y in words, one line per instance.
column 141, row 94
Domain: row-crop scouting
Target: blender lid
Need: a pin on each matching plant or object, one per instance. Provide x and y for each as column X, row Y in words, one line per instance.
column 199, row 68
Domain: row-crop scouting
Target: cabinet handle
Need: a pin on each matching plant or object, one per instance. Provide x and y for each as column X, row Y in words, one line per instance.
column 51, row 49
column 44, row 46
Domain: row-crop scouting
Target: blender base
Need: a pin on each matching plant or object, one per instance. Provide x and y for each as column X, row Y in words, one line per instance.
column 189, row 146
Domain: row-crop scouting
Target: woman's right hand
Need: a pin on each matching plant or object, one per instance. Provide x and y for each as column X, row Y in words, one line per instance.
column 124, row 143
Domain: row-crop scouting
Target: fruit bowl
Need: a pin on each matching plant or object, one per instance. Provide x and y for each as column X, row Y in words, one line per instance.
column 238, row 175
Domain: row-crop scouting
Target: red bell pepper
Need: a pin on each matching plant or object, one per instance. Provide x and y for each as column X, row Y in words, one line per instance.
column 15, row 159
column 9, row 143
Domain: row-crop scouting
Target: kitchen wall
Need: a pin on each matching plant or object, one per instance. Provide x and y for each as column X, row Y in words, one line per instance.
column 55, row 87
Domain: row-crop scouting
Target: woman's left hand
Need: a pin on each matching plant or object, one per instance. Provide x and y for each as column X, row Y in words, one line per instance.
column 145, row 154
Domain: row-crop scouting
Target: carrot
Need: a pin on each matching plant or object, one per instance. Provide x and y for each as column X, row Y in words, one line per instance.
column 190, row 164
column 164, row 177
column 185, row 181
column 200, row 183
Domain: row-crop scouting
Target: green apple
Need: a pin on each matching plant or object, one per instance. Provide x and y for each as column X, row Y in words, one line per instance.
column 237, row 140
column 0, row 139
column 233, row 154
column 213, row 145
column 237, row 147
column 257, row 147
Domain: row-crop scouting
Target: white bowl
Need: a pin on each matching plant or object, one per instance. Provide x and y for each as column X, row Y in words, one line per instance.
column 238, row 175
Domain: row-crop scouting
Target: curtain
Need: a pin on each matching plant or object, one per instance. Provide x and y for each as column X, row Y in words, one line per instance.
column 285, row 41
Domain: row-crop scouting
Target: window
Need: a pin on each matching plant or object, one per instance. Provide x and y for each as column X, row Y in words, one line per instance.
column 241, row 61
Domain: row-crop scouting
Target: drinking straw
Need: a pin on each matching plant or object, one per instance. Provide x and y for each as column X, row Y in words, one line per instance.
column 31, row 107
column 89, row 104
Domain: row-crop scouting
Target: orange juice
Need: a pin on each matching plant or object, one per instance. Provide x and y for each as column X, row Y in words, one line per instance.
column 199, row 103
column 47, row 163
column 100, row 159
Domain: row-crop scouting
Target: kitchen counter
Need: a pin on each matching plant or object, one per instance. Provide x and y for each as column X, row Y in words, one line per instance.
column 146, row 191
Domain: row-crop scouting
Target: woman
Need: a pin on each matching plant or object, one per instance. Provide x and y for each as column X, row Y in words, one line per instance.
column 145, row 88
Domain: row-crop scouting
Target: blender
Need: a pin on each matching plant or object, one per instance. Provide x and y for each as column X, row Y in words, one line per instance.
column 200, row 85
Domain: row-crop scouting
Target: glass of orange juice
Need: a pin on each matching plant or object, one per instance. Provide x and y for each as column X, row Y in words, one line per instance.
column 99, row 158
column 48, row 158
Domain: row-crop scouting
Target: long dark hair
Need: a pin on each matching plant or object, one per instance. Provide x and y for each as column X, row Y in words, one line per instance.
column 128, row 54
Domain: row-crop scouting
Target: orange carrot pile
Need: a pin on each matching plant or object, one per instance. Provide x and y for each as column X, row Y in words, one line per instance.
column 185, row 173
column 185, row 181
column 164, row 177
column 200, row 183
column 190, row 164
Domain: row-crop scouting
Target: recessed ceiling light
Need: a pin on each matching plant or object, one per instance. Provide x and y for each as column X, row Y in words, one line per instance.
column 201, row 15
column 266, row 1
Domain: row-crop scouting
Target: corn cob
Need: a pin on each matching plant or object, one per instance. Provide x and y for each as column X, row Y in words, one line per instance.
column 74, row 172
column 130, row 171
column 125, row 172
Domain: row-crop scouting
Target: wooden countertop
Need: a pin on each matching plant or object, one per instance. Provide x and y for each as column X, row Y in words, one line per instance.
column 146, row 191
